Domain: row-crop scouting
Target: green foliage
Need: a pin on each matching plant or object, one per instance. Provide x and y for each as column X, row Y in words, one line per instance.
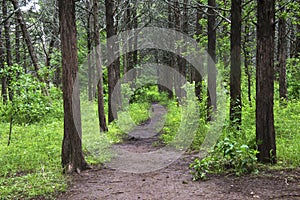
column 30, row 166
column 29, row 104
column 231, row 154
column 148, row 93
column 293, row 77
column 287, row 133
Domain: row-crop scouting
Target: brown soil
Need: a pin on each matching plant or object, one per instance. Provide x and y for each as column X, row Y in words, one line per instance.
column 175, row 181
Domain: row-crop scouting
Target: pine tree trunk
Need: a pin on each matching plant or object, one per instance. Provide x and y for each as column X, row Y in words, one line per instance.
column 101, row 112
column 177, row 57
column 247, row 62
column 72, row 155
column 17, row 43
column 235, row 69
column 282, row 57
column 265, row 132
column 114, row 66
column 197, row 77
column 212, row 73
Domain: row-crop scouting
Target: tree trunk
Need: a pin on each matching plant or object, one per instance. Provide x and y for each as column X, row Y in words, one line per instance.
column 265, row 132
column 247, row 62
column 17, row 41
column 135, row 38
column 114, row 66
column 177, row 57
column 282, row 57
column 101, row 112
column 26, row 37
column 212, row 72
column 297, row 46
column 72, row 155
column 4, row 78
column 197, row 77
column 235, row 67
column 7, row 46
column 89, row 30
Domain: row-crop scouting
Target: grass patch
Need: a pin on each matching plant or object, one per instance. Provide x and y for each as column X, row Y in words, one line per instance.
column 31, row 165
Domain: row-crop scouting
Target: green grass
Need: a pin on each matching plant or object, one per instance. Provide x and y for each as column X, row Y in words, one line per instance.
column 30, row 166
column 287, row 123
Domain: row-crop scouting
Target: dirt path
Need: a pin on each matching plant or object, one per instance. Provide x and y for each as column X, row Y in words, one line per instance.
column 174, row 181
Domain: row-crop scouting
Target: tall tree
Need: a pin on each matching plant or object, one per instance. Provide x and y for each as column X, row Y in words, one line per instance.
column 197, row 77
column 265, row 132
column 235, row 59
column 72, row 155
column 282, row 55
column 212, row 73
column 177, row 57
column 114, row 62
column 101, row 112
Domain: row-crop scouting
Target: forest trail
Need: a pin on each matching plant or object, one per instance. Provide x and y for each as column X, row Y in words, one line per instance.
column 174, row 182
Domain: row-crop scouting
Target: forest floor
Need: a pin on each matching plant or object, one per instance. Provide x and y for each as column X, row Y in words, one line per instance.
column 175, row 181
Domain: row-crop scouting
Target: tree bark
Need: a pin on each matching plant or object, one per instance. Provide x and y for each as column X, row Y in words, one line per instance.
column 72, row 155
column 197, row 77
column 4, row 54
column 17, row 43
column 235, row 59
column 282, row 57
column 247, row 58
column 212, row 72
column 297, row 49
column 89, row 30
column 101, row 112
column 177, row 57
column 114, row 66
column 265, row 132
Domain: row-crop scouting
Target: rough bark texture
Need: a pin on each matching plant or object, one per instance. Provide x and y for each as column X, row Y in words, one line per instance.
column 282, row 57
column 265, row 133
column 235, row 59
column 101, row 112
column 72, row 155
column 212, row 74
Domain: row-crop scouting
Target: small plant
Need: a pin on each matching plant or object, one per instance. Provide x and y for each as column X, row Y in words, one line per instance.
column 229, row 155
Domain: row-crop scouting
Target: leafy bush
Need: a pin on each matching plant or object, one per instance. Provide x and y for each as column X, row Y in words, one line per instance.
column 228, row 155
